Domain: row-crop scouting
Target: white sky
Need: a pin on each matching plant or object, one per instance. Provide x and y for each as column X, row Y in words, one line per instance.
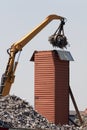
column 19, row 17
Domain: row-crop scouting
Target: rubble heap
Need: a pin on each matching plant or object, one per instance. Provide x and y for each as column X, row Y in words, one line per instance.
column 17, row 113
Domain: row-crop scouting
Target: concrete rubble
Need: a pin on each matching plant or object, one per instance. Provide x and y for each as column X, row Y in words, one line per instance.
column 17, row 113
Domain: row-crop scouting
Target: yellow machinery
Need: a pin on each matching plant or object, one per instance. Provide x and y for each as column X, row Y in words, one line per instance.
column 8, row 77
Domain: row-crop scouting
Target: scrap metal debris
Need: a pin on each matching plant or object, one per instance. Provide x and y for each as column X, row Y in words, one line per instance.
column 18, row 113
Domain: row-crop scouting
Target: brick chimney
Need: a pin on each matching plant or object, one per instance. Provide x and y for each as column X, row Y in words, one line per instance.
column 52, row 84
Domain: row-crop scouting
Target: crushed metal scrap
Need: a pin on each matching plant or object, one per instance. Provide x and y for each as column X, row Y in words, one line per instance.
column 17, row 113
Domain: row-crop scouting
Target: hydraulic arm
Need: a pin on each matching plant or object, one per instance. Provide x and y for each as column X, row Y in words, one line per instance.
column 9, row 75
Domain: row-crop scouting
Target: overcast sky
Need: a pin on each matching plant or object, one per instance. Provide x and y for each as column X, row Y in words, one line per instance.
column 18, row 17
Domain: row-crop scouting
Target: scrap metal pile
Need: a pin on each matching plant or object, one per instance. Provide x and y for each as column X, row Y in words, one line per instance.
column 17, row 113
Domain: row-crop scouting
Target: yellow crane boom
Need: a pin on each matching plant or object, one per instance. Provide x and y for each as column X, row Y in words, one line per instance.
column 8, row 77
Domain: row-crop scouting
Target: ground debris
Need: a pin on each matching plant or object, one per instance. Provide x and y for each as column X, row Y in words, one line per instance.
column 18, row 113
